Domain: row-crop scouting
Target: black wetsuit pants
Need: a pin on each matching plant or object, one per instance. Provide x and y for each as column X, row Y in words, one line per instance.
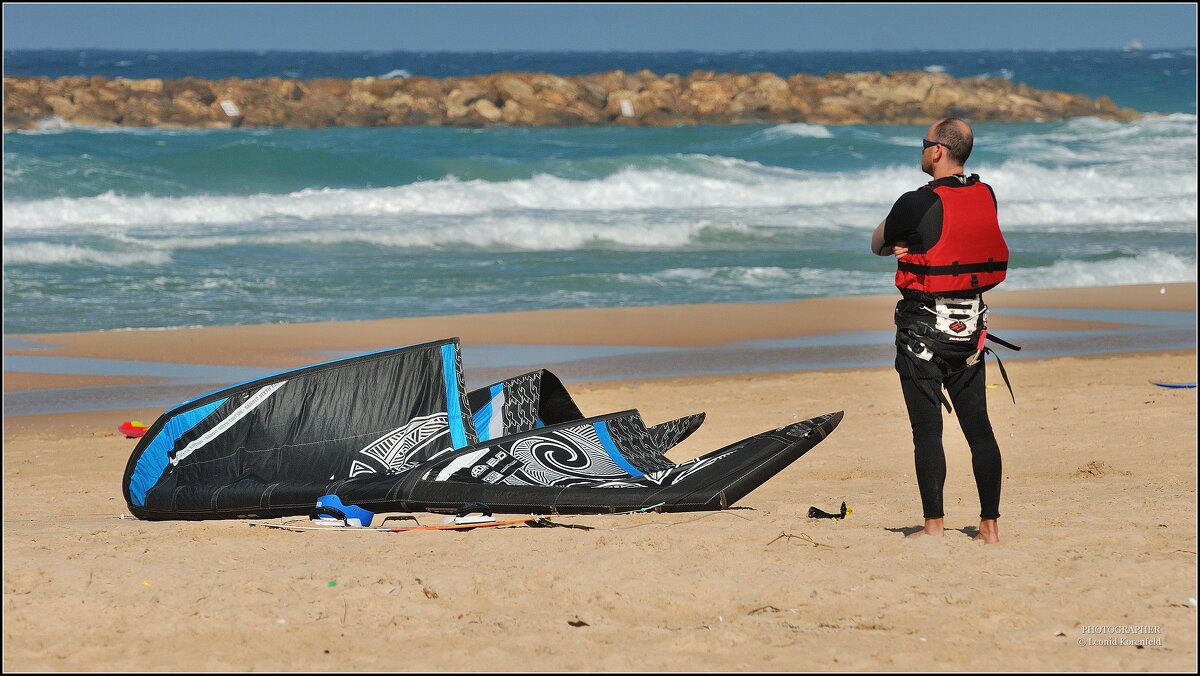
column 968, row 395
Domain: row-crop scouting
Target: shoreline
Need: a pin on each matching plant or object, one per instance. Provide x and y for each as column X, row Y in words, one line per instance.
column 684, row 326
column 103, row 421
column 49, row 378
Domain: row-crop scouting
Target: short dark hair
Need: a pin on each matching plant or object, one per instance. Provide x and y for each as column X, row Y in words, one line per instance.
column 956, row 136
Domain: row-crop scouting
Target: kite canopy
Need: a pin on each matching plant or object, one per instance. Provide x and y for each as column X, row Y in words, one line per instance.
column 397, row 431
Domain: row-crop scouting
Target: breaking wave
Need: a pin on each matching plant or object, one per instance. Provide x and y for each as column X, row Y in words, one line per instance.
column 1031, row 195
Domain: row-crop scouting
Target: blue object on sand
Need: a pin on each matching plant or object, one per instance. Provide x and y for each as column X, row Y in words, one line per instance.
column 331, row 507
column 1175, row 386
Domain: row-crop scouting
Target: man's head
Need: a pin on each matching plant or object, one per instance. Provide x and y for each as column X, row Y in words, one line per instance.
column 953, row 140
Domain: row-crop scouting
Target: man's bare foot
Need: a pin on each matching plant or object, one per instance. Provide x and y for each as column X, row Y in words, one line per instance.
column 933, row 527
column 989, row 532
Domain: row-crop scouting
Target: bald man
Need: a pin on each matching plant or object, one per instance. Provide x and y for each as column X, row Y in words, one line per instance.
column 946, row 238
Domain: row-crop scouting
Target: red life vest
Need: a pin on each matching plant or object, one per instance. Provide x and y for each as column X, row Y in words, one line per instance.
column 970, row 253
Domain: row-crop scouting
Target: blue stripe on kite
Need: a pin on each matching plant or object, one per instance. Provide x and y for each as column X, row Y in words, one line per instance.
column 607, row 442
column 154, row 459
column 458, row 434
column 483, row 417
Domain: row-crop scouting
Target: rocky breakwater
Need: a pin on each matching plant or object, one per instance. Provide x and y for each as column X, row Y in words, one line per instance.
column 537, row 99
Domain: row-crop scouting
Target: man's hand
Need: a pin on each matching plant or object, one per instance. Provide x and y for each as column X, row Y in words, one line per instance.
column 900, row 249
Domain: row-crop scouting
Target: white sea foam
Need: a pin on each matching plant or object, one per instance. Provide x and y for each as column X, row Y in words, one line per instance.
column 780, row 282
column 1119, row 215
column 52, row 124
column 1004, row 73
column 1151, row 267
column 1031, row 194
column 1179, row 127
column 57, row 125
column 798, row 129
column 724, row 276
column 42, row 253
column 710, row 183
column 1153, row 145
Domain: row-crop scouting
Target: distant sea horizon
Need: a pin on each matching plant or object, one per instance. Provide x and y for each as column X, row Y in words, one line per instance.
column 145, row 228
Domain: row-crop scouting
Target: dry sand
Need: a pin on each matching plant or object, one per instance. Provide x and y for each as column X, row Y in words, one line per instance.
column 1098, row 529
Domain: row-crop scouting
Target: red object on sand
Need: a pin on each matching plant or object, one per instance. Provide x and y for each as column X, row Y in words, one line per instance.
column 132, row 429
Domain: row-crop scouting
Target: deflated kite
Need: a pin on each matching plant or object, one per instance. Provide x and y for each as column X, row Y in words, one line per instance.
column 396, row 431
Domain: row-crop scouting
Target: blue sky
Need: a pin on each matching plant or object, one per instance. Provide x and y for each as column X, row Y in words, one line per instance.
column 598, row 27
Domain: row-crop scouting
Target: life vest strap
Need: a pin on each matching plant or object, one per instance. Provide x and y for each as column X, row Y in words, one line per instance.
column 954, row 269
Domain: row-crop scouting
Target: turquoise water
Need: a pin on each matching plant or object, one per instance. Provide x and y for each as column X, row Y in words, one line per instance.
column 112, row 229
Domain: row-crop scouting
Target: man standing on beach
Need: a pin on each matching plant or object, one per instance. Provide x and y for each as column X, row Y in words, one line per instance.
column 949, row 249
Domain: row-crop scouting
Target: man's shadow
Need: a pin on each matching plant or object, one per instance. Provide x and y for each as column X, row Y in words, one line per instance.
column 969, row 531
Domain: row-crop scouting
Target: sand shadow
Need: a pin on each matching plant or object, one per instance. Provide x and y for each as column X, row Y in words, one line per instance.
column 906, row 530
column 969, row 531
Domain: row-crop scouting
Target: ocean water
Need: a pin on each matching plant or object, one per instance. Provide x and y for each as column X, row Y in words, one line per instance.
column 110, row 229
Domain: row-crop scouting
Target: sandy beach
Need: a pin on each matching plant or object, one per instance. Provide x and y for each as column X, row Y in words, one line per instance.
column 1096, row 570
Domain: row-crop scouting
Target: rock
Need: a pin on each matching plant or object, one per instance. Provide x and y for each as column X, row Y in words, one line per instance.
column 748, row 101
column 153, row 85
column 328, row 88
column 555, row 89
column 427, row 111
column 593, row 93
column 61, row 106
column 540, row 99
column 552, row 97
column 188, row 109
column 709, row 97
column 455, row 110
column 836, row 110
column 423, row 87
column 487, row 110
column 562, row 116
column 512, row 88
column 621, row 104
column 610, row 81
column 466, row 93
column 511, row 113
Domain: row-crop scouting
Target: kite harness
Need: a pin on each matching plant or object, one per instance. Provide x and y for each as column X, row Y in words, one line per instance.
column 939, row 336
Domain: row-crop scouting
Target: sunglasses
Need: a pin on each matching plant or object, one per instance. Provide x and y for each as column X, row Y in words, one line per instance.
column 926, row 143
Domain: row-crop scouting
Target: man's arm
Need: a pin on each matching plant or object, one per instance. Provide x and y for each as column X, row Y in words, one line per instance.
column 898, row 249
column 877, row 245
